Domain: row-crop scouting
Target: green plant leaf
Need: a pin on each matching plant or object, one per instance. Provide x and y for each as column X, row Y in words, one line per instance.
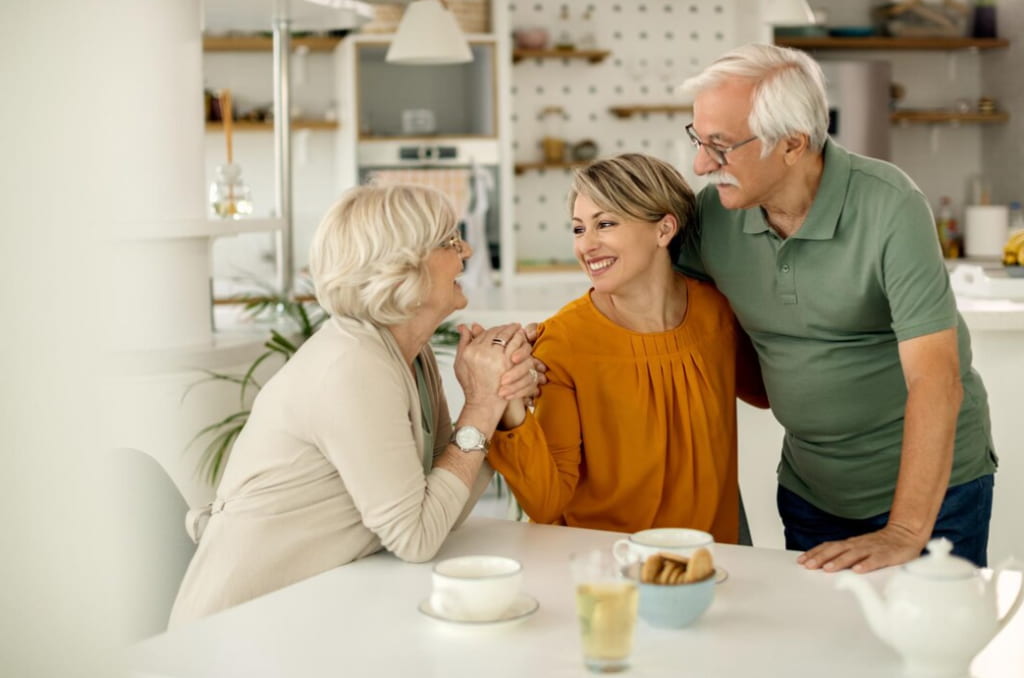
column 212, row 377
column 248, row 378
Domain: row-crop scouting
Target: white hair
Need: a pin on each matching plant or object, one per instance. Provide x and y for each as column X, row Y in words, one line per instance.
column 789, row 92
column 368, row 255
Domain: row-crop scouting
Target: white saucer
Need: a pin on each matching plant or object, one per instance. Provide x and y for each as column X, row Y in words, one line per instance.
column 523, row 607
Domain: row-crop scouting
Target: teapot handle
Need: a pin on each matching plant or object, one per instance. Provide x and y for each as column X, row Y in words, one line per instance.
column 1020, row 591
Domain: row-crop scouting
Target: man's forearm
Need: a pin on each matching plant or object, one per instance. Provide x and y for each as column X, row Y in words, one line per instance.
column 926, row 458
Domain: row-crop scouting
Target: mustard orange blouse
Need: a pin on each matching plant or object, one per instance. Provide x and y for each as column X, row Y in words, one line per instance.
column 635, row 430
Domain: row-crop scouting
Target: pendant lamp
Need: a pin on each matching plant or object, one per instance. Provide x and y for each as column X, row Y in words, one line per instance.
column 428, row 34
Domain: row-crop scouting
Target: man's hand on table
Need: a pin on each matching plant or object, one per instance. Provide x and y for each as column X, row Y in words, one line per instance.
column 892, row 545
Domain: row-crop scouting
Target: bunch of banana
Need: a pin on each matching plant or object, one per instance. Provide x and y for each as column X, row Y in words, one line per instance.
column 1013, row 250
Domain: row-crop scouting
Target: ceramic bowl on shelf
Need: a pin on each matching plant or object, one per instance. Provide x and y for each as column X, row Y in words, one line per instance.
column 534, row 37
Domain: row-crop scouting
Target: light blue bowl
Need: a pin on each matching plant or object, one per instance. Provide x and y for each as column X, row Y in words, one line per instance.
column 675, row 606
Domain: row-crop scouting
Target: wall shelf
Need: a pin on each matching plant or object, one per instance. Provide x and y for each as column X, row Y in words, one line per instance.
column 937, row 116
column 521, row 167
column 629, row 111
column 594, row 56
column 258, row 43
column 891, row 43
column 268, row 126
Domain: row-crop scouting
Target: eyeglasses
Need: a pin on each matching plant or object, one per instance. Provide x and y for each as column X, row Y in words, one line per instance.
column 717, row 154
column 454, row 242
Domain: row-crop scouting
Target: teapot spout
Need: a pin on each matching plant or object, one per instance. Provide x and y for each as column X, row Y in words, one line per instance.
column 869, row 600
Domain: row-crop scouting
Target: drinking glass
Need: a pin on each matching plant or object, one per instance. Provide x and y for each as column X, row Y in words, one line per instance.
column 606, row 605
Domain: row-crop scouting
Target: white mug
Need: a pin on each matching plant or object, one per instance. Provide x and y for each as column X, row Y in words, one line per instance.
column 475, row 588
column 645, row 543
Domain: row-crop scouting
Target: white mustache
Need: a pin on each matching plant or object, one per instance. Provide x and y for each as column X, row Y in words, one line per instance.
column 721, row 177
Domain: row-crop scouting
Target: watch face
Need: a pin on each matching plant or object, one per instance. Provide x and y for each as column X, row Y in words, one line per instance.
column 469, row 438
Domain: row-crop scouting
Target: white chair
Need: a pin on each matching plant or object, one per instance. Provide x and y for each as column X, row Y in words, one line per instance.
column 155, row 550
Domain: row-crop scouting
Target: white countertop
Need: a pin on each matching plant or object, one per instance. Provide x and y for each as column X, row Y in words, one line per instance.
column 770, row 617
column 533, row 303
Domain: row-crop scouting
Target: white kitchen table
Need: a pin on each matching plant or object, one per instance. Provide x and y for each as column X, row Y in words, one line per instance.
column 769, row 618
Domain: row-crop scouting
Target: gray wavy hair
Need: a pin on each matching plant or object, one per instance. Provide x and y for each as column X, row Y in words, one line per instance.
column 789, row 95
column 368, row 255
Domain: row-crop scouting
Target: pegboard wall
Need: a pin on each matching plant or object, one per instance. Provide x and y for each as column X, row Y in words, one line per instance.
column 654, row 46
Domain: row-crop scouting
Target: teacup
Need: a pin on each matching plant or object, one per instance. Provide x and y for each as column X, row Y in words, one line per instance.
column 475, row 588
column 645, row 543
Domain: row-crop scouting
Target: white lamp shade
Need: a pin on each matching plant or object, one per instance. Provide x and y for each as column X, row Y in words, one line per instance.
column 428, row 34
column 786, row 13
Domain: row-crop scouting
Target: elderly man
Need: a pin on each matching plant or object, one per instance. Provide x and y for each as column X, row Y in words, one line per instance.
column 831, row 263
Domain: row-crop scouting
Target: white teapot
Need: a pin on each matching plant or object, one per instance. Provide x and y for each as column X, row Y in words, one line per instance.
column 938, row 612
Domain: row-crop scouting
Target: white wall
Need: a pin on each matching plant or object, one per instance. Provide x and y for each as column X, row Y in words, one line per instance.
column 654, row 46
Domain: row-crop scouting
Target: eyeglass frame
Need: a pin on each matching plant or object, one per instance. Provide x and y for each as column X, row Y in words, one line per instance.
column 455, row 242
column 714, row 152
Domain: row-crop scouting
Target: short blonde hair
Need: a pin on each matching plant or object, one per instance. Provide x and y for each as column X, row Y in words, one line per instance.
column 638, row 186
column 368, row 255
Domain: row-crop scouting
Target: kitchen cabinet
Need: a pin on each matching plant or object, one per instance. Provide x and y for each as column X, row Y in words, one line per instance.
column 432, row 124
column 245, row 64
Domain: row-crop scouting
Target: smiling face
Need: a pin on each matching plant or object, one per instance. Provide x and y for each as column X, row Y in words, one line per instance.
column 444, row 266
column 616, row 251
column 720, row 120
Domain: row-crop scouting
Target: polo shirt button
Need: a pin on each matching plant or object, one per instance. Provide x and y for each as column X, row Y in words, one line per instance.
column 785, row 268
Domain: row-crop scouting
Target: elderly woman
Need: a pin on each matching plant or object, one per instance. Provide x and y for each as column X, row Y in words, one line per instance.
column 636, row 427
column 350, row 447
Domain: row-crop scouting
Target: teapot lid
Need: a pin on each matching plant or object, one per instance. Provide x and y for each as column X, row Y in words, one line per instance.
column 940, row 563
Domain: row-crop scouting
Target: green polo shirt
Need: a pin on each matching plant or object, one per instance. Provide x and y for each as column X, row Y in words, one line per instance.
column 826, row 309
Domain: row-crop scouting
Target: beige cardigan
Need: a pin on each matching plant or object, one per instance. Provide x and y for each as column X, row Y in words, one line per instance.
column 328, row 469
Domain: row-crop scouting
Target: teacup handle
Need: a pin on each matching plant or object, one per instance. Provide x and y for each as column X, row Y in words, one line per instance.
column 1006, row 565
column 446, row 602
column 621, row 551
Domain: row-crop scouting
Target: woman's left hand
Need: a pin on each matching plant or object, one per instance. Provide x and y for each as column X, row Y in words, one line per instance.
column 526, row 374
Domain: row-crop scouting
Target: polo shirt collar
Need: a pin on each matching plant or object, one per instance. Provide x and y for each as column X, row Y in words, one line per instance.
column 823, row 217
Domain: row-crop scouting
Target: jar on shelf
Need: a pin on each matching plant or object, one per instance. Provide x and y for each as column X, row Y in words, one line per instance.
column 230, row 197
column 553, row 142
column 563, row 30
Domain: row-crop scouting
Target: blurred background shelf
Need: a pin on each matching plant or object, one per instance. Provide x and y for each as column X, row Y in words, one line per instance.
column 925, row 116
column 521, row 167
column 257, row 43
column 268, row 126
column 629, row 111
column 594, row 56
column 879, row 42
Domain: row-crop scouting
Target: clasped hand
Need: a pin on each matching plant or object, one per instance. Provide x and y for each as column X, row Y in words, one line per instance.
column 494, row 366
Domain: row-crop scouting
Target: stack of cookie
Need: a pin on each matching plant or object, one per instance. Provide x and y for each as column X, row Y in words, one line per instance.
column 669, row 568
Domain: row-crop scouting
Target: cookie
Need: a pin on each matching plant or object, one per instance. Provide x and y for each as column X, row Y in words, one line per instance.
column 700, row 568
column 674, row 557
column 668, row 572
column 651, row 568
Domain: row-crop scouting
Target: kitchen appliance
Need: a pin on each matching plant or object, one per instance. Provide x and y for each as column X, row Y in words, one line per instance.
column 858, row 96
column 476, row 155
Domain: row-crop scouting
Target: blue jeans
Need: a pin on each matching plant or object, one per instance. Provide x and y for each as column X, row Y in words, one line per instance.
column 963, row 519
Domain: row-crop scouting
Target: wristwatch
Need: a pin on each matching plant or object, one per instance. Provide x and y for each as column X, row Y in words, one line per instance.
column 469, row 439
